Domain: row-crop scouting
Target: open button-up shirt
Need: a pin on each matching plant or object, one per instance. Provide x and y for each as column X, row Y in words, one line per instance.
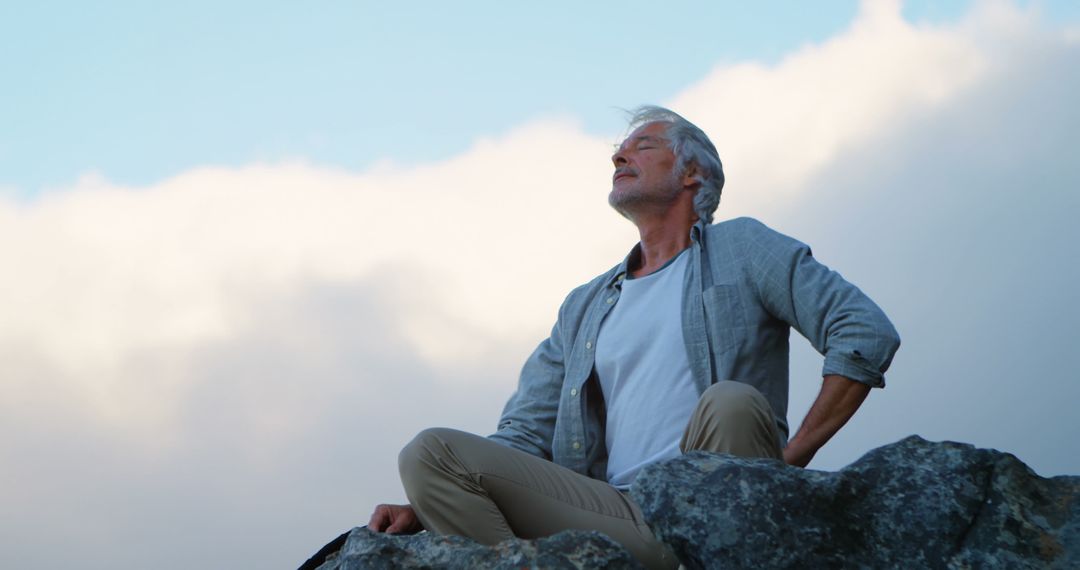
column 746, row 286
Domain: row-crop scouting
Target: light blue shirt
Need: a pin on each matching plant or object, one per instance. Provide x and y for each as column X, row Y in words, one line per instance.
column 745, row 287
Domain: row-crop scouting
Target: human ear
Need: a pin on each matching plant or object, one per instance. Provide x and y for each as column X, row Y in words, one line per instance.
column 690, row 177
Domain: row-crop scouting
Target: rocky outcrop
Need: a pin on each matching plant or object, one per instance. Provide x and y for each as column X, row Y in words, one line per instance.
column 912, row 504
column 570, row 549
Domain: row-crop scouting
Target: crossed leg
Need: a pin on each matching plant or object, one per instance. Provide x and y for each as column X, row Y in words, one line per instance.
column 462, row 484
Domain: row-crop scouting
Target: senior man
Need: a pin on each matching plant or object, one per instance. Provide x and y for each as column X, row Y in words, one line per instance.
column 682, row 346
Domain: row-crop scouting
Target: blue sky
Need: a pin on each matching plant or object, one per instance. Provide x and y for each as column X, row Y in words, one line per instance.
column 139, row 92
column 249, row 250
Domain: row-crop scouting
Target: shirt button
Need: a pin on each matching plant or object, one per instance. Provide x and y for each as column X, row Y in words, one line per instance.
column 610, row 300
column 573, row 391
column 577, row 445
column 588, row 344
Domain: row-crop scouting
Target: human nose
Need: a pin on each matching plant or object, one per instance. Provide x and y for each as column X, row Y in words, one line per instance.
column 618, row 159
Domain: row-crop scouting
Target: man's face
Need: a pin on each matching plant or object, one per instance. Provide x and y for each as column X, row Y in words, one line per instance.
column 644, row 170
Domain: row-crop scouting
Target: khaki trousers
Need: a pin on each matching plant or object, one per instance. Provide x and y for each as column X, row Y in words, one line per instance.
column 462, row 484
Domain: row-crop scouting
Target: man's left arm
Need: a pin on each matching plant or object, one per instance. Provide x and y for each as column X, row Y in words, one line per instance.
column 834, row 406
column 856, row 338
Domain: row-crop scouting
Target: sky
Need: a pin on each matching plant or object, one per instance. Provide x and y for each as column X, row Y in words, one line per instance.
column 248, row 251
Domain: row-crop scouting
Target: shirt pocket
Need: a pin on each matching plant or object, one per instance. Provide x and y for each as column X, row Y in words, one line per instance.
column 724, row 316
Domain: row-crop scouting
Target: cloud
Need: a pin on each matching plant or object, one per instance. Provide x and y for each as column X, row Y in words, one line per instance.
column 115, row 271
column 777, row 125
column 963, row 220
column 232, row 357
column 285, row 432
column 229, row 335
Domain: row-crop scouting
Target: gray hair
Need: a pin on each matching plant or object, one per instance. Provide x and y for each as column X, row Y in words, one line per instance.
column 691, row 146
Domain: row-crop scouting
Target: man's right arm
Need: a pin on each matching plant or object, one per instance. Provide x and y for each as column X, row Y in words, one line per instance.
column 528, row 419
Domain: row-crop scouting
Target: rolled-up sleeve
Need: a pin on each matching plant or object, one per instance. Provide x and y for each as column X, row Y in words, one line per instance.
column 856, row 338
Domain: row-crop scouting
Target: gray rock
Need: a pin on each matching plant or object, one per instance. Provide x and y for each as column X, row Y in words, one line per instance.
column 569, row 549
column 912, row 504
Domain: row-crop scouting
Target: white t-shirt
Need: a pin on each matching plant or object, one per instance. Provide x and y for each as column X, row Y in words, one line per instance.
column 644, row 373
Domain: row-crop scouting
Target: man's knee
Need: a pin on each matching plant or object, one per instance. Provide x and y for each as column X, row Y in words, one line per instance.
column 423, row 444
column 418, row 460
column 734, row 403
column 734, row 418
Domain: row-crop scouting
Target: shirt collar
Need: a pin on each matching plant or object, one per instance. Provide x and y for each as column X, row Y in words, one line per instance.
column 632, row 258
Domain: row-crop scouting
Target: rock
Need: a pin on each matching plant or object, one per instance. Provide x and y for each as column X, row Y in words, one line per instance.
column 912, row 504
column 568, row 549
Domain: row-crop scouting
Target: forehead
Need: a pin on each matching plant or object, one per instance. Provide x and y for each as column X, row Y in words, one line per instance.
column 655, row 131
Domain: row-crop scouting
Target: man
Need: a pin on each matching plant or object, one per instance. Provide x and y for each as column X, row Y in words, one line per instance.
column 682, row 346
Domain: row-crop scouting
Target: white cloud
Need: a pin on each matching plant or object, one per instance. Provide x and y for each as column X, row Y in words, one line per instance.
column 193, row 347
column 776, row 126
column 115, row 271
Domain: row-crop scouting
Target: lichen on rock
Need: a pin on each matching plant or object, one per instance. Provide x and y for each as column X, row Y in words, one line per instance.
column 569, row 549
column 911, row 504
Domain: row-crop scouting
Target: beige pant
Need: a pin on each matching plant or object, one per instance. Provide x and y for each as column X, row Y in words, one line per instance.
column 467, row 485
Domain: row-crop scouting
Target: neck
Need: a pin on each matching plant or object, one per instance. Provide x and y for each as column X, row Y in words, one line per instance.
column 662, row 238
